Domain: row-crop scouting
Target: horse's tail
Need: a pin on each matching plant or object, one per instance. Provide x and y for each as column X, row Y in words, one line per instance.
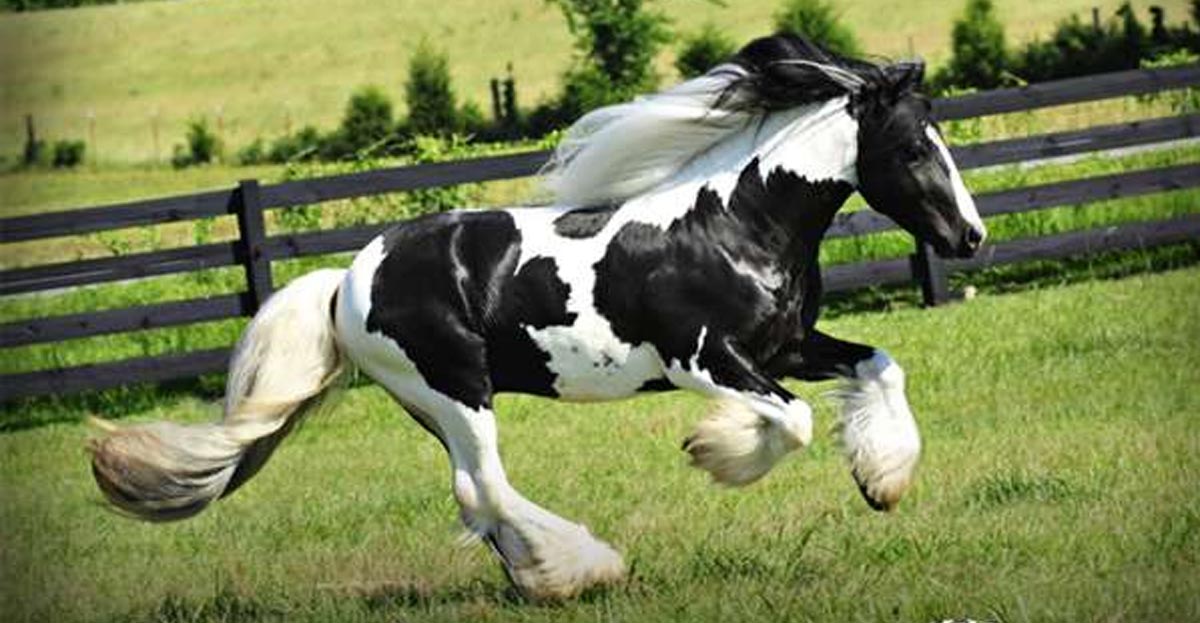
column 284, row 363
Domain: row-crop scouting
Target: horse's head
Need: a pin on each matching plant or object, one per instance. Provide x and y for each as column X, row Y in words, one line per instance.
column 905, row 170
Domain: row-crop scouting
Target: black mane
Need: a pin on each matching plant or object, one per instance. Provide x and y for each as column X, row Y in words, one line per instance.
column 779, row 76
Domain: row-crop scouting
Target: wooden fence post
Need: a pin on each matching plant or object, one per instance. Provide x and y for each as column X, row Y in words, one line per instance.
column 251, row 243
column 929, row 272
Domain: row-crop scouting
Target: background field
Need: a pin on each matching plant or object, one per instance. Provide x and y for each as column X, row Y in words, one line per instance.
column 262, row 66
column 1057, row 485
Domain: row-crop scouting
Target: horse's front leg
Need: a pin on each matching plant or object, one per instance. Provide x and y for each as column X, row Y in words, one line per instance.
column 756, row 422
column 878, row 432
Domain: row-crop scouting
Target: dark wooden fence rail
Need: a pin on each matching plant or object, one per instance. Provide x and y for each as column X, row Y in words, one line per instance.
column 254, row 250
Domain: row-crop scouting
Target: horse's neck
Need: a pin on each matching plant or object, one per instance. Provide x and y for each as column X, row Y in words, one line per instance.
column 798, row 166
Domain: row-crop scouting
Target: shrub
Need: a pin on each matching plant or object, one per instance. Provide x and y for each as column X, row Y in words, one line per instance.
column 367, row 120
column 203, row 145
column 254, row 153
column 472, row 120
column 68, row 153
column 617, row 40
column 980, row 57
column 428, row 93
column 1077, row 48
column 703, row 50
column 817, row 20
column 305, row 144
column 585, row 88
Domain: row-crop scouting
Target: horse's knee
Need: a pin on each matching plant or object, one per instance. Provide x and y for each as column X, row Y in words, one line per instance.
column 466, row 493
column 882, row 369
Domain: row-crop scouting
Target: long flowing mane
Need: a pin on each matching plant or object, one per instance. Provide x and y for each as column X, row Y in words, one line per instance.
column 614, row 153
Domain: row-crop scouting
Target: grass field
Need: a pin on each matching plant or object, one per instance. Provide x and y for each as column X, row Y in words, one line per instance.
column 1057, row 485
column 126, row 78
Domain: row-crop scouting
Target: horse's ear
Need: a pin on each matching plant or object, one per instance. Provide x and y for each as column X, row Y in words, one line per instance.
column 905, row 76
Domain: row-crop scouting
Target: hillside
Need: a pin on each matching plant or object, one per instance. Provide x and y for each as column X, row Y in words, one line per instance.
column 127, row 77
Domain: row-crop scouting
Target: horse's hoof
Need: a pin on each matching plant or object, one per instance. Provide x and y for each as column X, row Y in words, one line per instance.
column 549, row 565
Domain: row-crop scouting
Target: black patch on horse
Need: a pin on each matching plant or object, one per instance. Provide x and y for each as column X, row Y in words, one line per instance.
column 447, row 292
column 584, row 222
column 535, row 298
column 663, row 287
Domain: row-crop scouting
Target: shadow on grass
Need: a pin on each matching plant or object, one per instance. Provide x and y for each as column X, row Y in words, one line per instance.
column 226, row 605
column 390, row 596
column 387, row 600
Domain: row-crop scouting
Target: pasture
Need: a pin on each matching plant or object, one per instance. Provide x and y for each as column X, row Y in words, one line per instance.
column 127, row 77
column 1057, row 485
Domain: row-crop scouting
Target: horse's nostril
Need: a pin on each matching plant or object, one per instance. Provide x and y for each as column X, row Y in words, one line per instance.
column 974, row 237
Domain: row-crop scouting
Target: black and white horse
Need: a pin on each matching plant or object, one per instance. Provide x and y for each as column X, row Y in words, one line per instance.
column 681, row 253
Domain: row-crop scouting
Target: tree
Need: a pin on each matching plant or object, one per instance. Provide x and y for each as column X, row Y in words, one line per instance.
column 980, row 56
column 703, row 50
column 428, row 93
column 368, row 119
column 817, row 20
column 618, row 40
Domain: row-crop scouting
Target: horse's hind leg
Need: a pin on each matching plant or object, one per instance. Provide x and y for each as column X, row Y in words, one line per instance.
column 545, row 556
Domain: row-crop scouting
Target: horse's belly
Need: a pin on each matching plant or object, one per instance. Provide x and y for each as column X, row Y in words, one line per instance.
column 590, row 363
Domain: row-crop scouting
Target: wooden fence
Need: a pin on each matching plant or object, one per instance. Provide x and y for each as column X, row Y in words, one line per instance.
column 254, row 251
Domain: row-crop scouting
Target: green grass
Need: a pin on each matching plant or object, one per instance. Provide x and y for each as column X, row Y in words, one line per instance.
column 39, row 191
column 1057, row 485
column 120, row 73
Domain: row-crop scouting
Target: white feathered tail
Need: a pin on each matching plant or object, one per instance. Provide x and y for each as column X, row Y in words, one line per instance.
column 283, row 365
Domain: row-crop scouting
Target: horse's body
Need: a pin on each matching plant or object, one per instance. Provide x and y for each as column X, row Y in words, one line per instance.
column 698, row 272
column 600, row 302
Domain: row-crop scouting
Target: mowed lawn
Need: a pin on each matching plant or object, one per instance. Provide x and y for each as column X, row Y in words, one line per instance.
column 128, row 77
column 1061, row 458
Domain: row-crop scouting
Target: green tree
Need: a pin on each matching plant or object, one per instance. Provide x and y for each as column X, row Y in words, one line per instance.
column 980, row 56
column 203, row 145
column 367, row 120
column 817, row 20
column 429, row 94
column 703, row 50
column 617, row 40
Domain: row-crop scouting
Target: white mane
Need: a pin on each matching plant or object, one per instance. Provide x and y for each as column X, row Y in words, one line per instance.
column 616, row 152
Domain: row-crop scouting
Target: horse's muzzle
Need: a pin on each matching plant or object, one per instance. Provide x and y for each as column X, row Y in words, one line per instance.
column 970, row 242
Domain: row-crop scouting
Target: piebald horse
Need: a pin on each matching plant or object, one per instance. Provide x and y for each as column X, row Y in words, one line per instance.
column 680, row 252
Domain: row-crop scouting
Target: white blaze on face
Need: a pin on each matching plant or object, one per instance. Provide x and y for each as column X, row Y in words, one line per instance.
column 962, row 197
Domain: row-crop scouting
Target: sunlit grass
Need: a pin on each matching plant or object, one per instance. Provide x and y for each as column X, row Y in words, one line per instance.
column 1060, row 445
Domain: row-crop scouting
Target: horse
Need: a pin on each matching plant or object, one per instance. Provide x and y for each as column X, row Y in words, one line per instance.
column 679, row 252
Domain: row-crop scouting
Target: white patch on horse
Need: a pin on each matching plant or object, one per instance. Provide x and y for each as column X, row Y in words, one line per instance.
column 962, row 196
column 589, row 361
column 592, row 364
column 816, row 142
